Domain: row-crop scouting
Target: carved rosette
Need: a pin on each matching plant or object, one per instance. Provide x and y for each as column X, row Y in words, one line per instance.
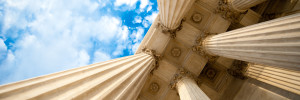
column 200, row 48
column 196, row 18
column 154, row 55
column 182, row 73
column 154, row 87
column 176, row 52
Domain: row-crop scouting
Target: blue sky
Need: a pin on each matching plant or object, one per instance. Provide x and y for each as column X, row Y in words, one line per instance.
column 40, row 37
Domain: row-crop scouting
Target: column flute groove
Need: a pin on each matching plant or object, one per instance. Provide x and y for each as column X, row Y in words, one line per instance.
column 275, row 43
column 189, row 90
column 286, row 79
column 172, row 11
column 114, row 79
column 242, row 5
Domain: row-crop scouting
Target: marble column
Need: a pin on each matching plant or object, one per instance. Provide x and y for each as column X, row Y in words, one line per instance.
column 189, row 90
column 172, row 11
column 121, row 78
column 286, row 79
column 275, row 43
column 243, row 5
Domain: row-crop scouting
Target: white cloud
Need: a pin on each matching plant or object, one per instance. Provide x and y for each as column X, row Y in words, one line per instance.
column 123, row 34
column 103, row 3
column 137, row 37
column 58, row 36
column 149, row 8
column 2, row 45
column 100, row 56
column 34, row 57
column 122, row 41
column 145, row 23
column 84, row 58
column 135, row 47
column 3, row 50
column 5, row 65
column 149, row 19
column 20, row 13
column 119, row 49
column 125, row 2
column 137, row 19
column 144, row 3
column 138, row 34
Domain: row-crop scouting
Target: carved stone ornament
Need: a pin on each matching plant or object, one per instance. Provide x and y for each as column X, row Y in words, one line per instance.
column 211, row 73
column 228, row 12
column 154, row 87
column 199, row 46
column 154, row 55
column 176, row 52
column 238, row 69
column 197, row 18
column 181, row 74
column 171, row 31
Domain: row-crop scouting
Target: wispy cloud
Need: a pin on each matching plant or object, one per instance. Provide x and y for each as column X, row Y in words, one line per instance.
column 149, row 19
column 3, row 50
column 99, row 56
column 137, row 19
column 144, row 3
column 137, row 37
column 125, row 2
column 46, row 36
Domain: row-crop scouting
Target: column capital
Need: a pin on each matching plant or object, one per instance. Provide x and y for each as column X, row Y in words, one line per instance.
column 187, row 86
column 171, row 14
column 155, row 56
column 230, row 4
column 238, row 69
column 199, row 46
column 182, row 74
column 169, row 30
column 228, row 11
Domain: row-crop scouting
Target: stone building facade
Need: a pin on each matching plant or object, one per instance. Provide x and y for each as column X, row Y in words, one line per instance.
column 194, row 50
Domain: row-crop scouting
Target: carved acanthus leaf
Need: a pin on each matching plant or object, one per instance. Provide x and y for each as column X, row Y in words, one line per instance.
column 154, row 55
column 181, row 74
column 228, row 12
column 238, row 69
column 199, row 46
column 171, row 31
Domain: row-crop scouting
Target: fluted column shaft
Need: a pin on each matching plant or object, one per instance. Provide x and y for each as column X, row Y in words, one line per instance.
column 286, row 79
column 275, row 43
column 242, row 5
column 245, row 4
column 189, row 90
column 171, row 12
column 120, row 78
